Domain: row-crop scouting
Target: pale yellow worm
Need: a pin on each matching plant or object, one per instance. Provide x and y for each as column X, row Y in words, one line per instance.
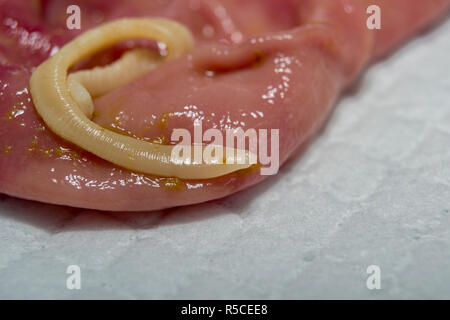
column 96, row 82
column 65, row 103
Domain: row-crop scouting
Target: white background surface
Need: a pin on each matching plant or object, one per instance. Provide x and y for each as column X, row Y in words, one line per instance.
column 374, row 188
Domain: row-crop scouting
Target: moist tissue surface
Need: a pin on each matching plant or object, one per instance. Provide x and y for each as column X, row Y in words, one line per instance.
column 373, row 189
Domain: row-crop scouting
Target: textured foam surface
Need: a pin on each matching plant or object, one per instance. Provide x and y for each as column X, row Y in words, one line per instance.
column 373, row 188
